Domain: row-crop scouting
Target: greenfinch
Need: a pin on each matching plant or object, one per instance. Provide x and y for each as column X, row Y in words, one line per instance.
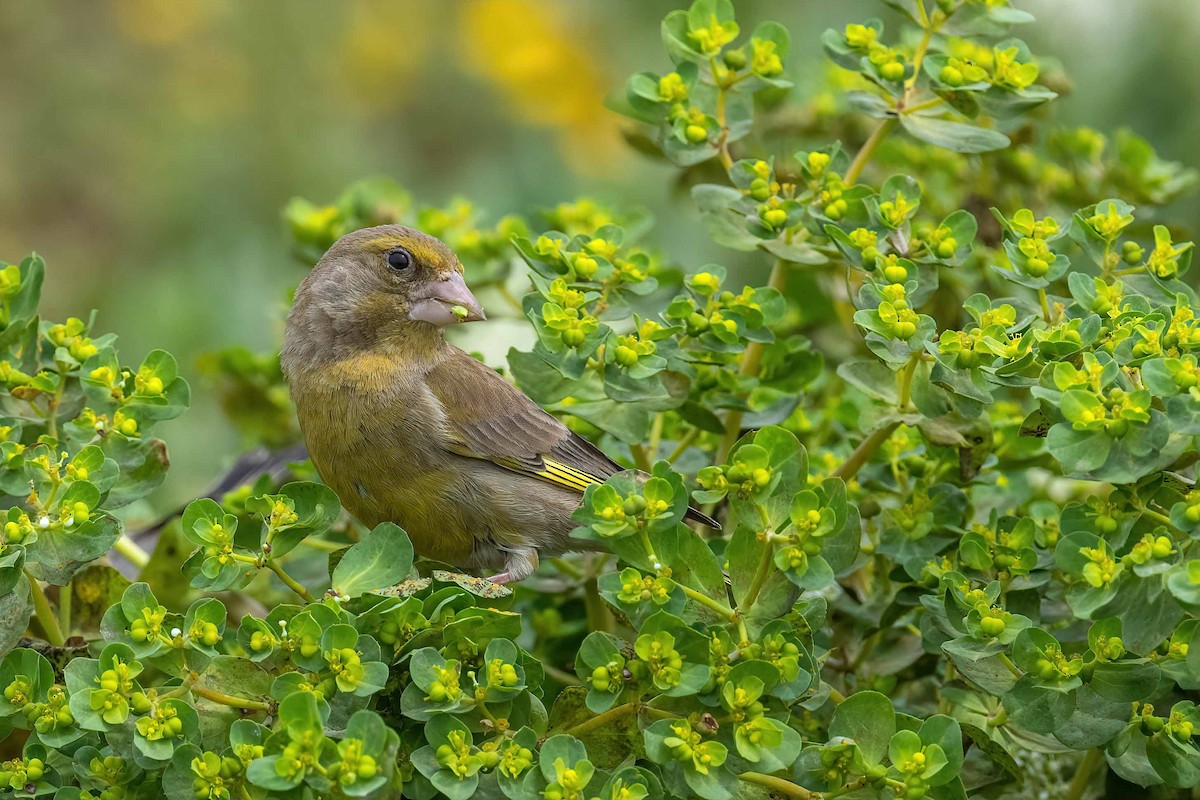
column 407, row 428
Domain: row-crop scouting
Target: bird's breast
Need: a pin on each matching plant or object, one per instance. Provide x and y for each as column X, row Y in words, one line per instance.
column 374, row 433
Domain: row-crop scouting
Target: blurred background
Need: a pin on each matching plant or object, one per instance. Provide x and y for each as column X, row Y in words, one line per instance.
column 148, row 146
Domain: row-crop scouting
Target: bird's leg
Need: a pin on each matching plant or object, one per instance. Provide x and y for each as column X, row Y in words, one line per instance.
column 519, row 565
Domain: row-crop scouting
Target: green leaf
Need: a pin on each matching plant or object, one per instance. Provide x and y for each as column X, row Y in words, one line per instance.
column 1125, row 681
column 956, row 136
column 1037, row 708
column 869, row 720
column 383, row 558
column 58, row 555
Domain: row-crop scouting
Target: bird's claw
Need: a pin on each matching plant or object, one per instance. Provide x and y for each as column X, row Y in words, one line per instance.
column 501, row 579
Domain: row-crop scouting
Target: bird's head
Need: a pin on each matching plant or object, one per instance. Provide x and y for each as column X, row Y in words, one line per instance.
column 378, row 284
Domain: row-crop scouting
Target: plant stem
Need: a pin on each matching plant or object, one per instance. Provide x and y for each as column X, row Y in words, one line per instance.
column 1158, row 517
column 760, row 578
column 683, row 444
column 852, row 786
column 723, row 141
column 656, row 429
column 864, row 154
column 599, row 618
column 600, row 720
column 289, row 581
column 133, row 554
column 568, row 568
column 180, row 690
column 230, row 700
column 932, row 102
column 64, row 609
column 778, row 785
column 641, row 458
column 751, row 363
column 904, row 390
column 45, row 615
column 1010, row 666
column 706, row 601
column 864, row 451
column 561, row 675
column 1045, row 306
column 324, row 545
column 1088, row 766
column 919, row 56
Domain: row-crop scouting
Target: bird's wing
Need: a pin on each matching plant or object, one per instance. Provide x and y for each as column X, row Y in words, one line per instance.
column 491, row 419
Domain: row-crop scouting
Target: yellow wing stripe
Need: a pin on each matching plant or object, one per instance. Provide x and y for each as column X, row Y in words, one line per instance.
column 554, row 472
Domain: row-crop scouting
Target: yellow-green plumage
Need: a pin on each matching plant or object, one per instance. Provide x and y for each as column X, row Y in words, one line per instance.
column 407, row 428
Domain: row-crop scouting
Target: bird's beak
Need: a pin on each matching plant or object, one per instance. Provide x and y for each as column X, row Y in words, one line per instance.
column 447, row 302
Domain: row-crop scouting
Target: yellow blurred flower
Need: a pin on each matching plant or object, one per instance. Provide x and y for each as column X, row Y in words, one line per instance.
column 163, row 22
column 384, row 43
column 549, row 78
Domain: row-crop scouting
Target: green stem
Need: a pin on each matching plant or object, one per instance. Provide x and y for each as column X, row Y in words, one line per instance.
column 561, row 675
column 778, row 785
column 922, row 49
column 180, row 690
column 723, row 141
column 289, row 581
column 599, row 618
column 641, row 458
column 600, row 720
column 1045, row 306
column 706, row 601
column 751, row 363
column 230, row 700
column 998, row 720
column 64, row 609
column 45, row 615
column 865, row 152
column 760, row 578
column 324, row 545
column 650, row 554
column 864, row 451
column 656, row 429
column 133, row 554
column 683, row 444
column 932, row 102
column 1088, row 767
column 567, row 568
column 1158, row 517
column 1010, row 666
column 54, row 403
column 904, row 391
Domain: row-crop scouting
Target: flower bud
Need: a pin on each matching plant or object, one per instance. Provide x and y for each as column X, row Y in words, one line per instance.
column 892, row 71
column 950, row 76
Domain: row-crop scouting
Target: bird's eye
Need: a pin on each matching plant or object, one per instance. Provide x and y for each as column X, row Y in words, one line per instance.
column 399, row 260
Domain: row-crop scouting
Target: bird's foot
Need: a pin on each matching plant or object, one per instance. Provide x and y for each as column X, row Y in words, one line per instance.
column 518, row 566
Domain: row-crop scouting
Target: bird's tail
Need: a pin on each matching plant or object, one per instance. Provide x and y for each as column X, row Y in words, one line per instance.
column 695, row 516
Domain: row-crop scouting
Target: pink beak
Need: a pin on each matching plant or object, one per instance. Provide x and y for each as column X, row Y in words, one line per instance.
column 447, row 302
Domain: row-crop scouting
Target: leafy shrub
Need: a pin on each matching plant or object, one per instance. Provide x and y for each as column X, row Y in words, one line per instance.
column 978, row 570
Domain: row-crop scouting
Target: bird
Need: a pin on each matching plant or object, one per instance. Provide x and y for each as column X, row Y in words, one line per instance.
column 407, row 428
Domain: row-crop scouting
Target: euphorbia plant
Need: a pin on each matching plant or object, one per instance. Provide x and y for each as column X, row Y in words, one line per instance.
column 951, row 441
